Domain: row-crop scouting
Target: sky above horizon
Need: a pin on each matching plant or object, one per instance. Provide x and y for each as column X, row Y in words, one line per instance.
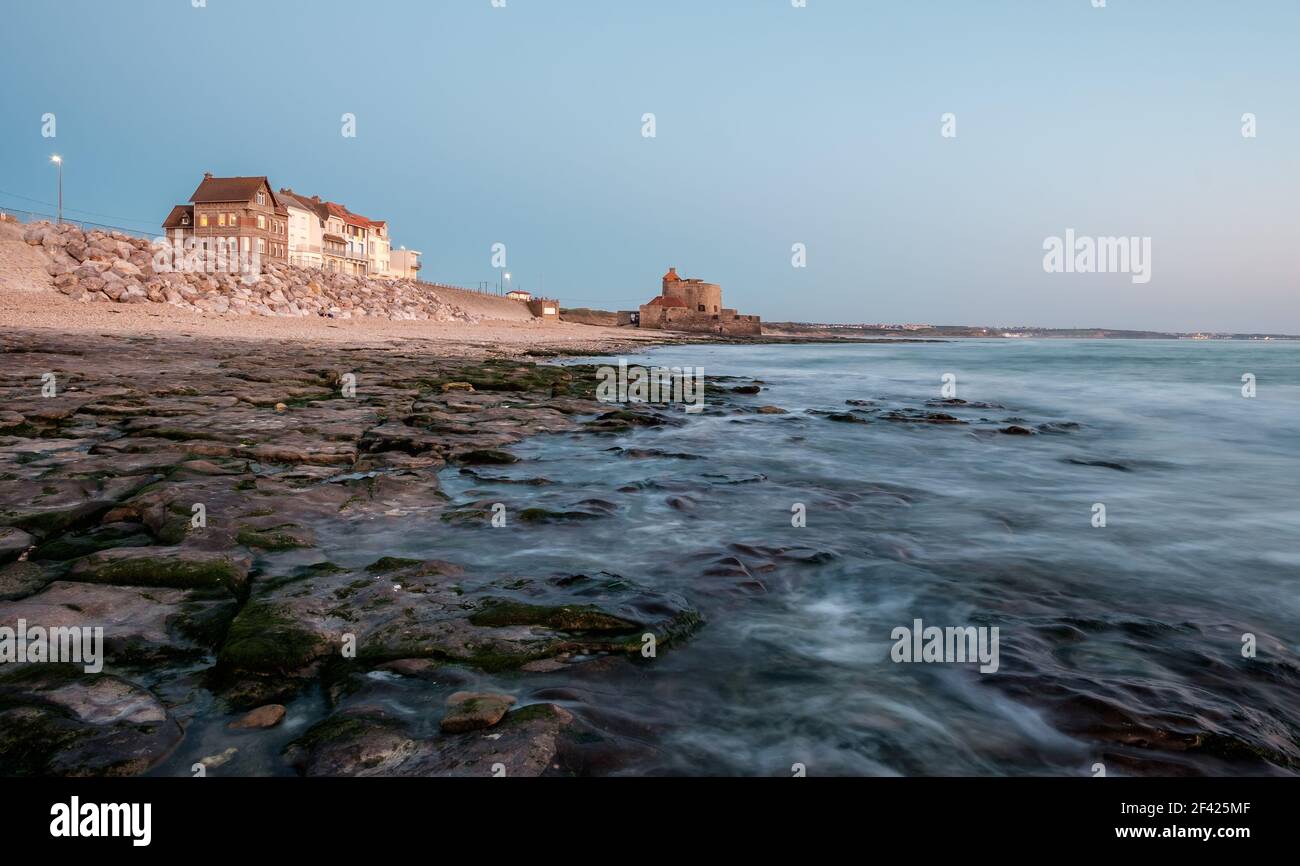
column 774, row 126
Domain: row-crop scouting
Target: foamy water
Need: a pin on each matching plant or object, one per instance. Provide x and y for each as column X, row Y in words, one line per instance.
column 1119, row 645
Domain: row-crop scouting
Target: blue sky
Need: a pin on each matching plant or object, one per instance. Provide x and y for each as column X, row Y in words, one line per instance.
column 775, row 125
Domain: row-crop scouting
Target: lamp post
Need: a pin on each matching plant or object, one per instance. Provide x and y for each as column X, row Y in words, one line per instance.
column 506, row 285
column 58, row 161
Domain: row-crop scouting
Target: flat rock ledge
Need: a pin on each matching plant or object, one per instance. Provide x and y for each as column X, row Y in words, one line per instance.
column 179, row 494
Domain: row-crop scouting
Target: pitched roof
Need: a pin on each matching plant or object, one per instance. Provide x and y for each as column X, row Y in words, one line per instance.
column 671, row 275
column 173, row 220
column 347, row 216
column 288, row 199
column 313, row 204
column 224, row 189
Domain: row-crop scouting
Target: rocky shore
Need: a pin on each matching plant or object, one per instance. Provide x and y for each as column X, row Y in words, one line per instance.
column 178, row 493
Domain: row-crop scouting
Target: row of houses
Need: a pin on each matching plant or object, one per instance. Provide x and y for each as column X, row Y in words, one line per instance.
column 289, row 227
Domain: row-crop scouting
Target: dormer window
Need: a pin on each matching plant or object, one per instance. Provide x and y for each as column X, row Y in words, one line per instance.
column 261, row 197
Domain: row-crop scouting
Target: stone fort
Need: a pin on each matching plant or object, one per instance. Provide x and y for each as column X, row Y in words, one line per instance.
column 691, row 305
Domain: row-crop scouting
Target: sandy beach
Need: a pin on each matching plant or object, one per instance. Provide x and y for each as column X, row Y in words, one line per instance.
column 29, row 302
column 51, row 313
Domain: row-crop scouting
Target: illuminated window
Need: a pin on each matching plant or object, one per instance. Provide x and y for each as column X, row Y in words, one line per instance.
column 221, row 219
column 203, row 219
column 261, row 221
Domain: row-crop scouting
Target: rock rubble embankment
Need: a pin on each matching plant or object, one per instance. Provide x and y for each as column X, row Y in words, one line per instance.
column 112, row 267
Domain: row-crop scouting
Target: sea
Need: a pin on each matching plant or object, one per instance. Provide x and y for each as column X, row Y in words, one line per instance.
column 1122, row 514
column 1165, row 641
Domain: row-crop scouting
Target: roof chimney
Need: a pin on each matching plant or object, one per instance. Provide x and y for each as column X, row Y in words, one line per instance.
column 207, row 175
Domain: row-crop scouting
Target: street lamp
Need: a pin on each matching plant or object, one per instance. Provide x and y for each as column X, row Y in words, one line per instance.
column 58, row 160
column 507, row 283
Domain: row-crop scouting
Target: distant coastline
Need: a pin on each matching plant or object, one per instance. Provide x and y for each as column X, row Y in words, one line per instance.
column 1023, row 332
column 834, row 330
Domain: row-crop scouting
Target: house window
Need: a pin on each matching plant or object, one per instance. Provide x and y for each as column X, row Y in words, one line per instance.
column 203, row 220
column 261, row 221
column 261, row 197
column 221, row 219
column 261, row 245
column 185, row 221
column 232, row 220
column 700, row 308
column 245, row 241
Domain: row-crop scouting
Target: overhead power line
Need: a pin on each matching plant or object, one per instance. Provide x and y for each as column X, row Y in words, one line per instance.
column 76, row 210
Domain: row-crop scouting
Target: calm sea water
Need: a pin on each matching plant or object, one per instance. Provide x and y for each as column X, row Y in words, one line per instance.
column 1120, row 646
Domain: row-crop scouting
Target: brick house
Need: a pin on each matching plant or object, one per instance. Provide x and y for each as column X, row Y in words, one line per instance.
column 243, row 208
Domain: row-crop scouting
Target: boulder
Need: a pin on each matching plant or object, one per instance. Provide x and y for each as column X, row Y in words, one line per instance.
column 124, row 268
column 56, row 721
column 470, row 711
column 13, row 543
column 267, row 716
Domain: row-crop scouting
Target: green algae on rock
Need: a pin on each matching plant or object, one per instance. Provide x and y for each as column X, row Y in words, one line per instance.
column 174, row 567
column 266, row 638
column 498, row 612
